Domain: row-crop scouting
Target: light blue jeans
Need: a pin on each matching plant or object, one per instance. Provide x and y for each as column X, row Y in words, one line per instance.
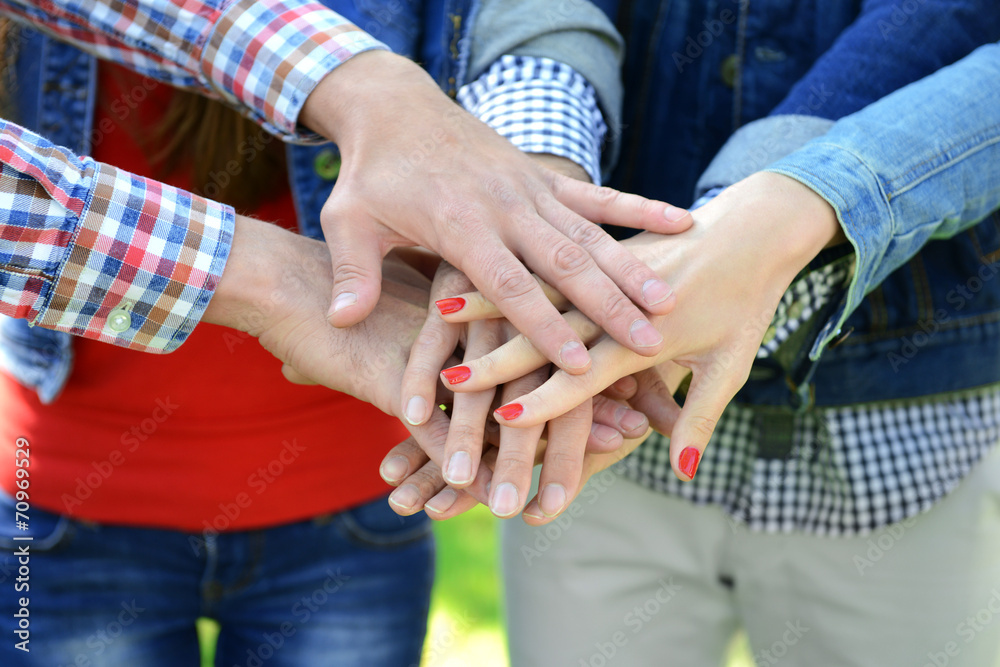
column 348, row 589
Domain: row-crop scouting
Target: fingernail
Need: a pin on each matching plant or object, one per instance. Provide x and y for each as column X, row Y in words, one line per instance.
column 644, row 335
column 604, row 433
column 405, row 497
column 449, row 306
column 457, row 374
column 624, row 385
column 504, row 502
column 509, row 412
column 442, row 502
column 688, row 461
column 655, row 291
column 344, row 300
column 673, row 214
column 552, row 500
column 416, row 410
column 630, row 420
column 574, row 355
column 394, row 469
column 459, row 469
column 534, row 512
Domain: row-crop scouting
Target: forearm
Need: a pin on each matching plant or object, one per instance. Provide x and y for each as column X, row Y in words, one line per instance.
column 920, row 164
column 224, row 50
column 892, row 49
column 888, row 46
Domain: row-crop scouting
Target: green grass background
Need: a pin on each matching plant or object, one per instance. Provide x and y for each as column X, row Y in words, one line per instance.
column 466, row 626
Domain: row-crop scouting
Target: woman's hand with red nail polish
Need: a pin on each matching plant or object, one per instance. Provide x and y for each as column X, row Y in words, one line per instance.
column 729, row 272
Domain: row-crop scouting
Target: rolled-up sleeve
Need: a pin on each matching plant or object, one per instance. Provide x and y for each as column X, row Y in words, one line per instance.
column 98, row 252
column 920, row 164
column 263, row 57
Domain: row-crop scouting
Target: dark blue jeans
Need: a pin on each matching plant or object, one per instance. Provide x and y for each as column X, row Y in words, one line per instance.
column 348, row 589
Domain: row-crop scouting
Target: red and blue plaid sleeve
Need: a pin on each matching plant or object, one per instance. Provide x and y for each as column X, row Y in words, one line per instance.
column 263, row 57
column 98, row 252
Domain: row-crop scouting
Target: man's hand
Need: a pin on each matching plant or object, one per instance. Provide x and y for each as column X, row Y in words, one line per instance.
column 276, row 287
column 417, row 169
column 730, row 271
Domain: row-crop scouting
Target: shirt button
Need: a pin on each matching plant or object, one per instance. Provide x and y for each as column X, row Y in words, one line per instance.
column 728, row 71
column 120, row 319
column 327, row 165
column 769, row 335
column 795, row 310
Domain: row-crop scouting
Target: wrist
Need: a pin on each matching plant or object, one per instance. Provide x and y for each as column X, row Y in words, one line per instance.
column 802, row 222
column 341, row 101
column 243, row 299
column 776, row 219
column 561, row 165
column 765, row 229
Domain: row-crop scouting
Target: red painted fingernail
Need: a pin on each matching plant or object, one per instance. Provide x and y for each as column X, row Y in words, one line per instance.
column 457, row 374
column 512, row 411
column 449, row 306
column 688, row 461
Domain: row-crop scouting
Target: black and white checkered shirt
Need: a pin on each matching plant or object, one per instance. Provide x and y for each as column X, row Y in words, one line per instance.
column 852, row 469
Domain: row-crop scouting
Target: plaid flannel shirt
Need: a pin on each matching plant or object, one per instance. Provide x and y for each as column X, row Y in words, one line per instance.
column 98, row 252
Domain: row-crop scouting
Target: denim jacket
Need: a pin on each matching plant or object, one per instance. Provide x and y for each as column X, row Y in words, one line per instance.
column 56, row 98
column 697, row 71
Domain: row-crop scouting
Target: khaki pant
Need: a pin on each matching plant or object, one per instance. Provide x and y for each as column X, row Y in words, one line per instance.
column 632, row 578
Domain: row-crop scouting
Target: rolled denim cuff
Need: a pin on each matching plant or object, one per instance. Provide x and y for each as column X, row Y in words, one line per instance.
column 757, row 145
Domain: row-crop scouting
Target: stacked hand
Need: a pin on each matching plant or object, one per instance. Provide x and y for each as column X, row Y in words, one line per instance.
column 729, row 272
column 276, row 286
column 418, row 170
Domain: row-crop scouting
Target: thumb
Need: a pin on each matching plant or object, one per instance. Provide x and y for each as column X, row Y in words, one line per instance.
column 356, row 251
column 703, row 406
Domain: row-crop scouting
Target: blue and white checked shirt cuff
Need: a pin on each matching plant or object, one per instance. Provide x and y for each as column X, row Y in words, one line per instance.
column 541, row 106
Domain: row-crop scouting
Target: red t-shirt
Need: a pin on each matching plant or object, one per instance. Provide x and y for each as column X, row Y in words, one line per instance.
column 208, row 437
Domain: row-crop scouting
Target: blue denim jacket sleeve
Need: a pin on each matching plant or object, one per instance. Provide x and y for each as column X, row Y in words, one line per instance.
column 922, row 163
column 889, row 45
column 893, row 44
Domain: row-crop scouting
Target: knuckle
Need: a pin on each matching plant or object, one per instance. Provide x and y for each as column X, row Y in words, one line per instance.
column 465, row 435
column 427, row 483
column 587, row 234
column 563, row 460
column 605, row 410
column 511, row 281
column 460, row 217
column 504, row 196
column 702, row 426
column 642, row 206
column 569, row 259
column 485, row 367
column 433, row 339
column 631, row 271
column 516, row 461
column 349, row 270
column 618, row 307
column 607, row 196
